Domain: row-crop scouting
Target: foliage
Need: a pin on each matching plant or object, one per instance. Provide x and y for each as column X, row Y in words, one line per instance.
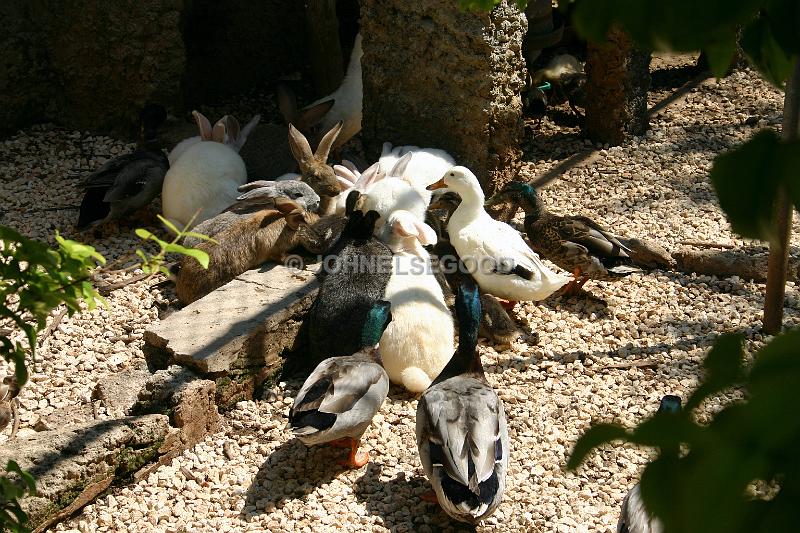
column 769, row 29
column 12, row 517
column 35, row 279
column 705, row 489
column 155, row 263
column 747, row 180
column 701, row 477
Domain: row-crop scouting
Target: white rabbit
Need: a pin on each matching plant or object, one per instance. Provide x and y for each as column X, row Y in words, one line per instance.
column 351, row 179
column 204, row 179
column 224, row 129
column 427, row 165
column 393, row 193
column 419, row 341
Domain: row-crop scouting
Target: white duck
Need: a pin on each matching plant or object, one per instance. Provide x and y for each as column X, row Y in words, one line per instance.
column 337, row 402
column 462, row 434
column 501, row 261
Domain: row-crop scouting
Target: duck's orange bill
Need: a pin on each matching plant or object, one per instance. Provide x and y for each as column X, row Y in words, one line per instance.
column 438, row 185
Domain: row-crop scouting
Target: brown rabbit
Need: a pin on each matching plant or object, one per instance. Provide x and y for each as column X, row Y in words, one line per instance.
column 313, row 165
column 265, row 236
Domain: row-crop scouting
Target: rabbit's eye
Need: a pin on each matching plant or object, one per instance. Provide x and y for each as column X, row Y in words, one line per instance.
column 452, row 174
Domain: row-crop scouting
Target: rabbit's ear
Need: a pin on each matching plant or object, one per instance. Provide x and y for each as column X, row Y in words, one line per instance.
column 326, row 143
column 345, row 173
column 285, row 205
column 295, row 218
column 310, row 117
column 255, row 185
column 427, row 235
column 218, row 133
column 344, row 183
column 403, row 224
column 370, row 176
column 399, row 168
column 287, row 104
column 352, row 166
column 241, row 138
column 301, row 150
column 203, row 125
column 232, row 130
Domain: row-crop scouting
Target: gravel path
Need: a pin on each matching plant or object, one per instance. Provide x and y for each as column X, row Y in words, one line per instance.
column 252, row 477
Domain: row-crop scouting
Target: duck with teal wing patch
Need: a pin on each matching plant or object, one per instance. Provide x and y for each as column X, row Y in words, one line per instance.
column 575, row 243
column 462, row 434
column 128, row 182
column 634, row 517
column 337, row 402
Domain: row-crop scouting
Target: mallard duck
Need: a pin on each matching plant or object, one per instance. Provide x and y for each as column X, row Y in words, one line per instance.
column 128, row 182
column 338, row 400
column 575, row 243
column 503, row 264
column 566, row 76
column 634, row 517
column 462, row 435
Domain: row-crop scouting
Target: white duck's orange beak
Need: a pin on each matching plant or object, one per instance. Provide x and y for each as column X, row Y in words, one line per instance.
column 438, row 185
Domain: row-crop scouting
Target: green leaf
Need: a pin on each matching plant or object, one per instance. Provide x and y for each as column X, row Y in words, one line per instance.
column 746, row 180
column 170, row 226
column 594, row 437
column 143, row 233
column 12, row 466
column 199, row 255
column 723, row 368
column 784, row 23
column 200, row 236
column 78, row 250
column 765, row 53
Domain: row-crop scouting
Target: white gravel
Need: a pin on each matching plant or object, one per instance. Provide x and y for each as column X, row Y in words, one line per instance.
column 653, row 187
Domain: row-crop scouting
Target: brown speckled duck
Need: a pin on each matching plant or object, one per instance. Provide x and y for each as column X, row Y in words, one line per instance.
column 575, row 243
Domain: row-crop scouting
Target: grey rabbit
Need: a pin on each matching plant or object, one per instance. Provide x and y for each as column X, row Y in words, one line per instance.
column 257, row 195
column 348, row 289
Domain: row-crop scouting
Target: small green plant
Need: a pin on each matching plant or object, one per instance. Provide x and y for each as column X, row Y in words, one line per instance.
column 34, row 280
column 155, row 263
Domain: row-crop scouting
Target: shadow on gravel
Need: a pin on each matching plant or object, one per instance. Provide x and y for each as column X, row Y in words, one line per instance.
column 398, row 502
column 584, row 304
column 290, row 472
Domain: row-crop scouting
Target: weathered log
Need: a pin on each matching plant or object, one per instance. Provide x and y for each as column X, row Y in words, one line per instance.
column 727, row 263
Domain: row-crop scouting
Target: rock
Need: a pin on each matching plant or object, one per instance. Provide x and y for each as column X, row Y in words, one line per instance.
column 65, row 461
column 243, row 325
column 450, row 79
column 187, row 399
column 119, row 392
